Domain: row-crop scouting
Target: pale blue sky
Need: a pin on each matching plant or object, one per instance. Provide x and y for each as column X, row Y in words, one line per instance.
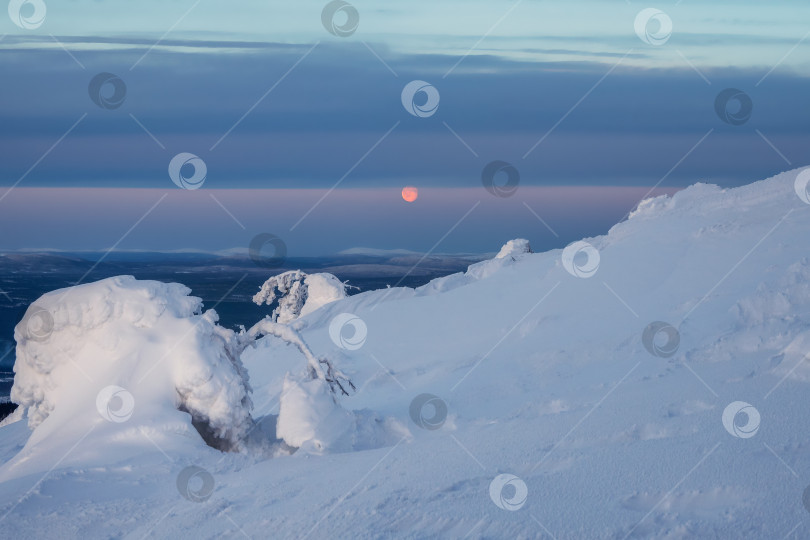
column 719, row 33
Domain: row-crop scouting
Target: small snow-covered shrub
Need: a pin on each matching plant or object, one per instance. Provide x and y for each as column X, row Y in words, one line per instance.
column 299, row 293
column 317, row 367
column 310, row 416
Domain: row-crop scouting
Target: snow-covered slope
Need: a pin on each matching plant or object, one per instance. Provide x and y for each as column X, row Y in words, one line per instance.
column 648, row 383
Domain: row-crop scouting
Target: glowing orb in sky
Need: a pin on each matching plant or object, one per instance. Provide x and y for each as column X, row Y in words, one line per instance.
column 410, row 193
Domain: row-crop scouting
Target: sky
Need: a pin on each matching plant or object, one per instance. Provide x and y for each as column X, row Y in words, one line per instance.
column 306, row 134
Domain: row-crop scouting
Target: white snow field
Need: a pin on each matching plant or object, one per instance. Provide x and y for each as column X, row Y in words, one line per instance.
column 649, row 383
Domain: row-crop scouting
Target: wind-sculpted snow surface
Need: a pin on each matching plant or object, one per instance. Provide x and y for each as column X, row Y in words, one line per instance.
column 648, row 383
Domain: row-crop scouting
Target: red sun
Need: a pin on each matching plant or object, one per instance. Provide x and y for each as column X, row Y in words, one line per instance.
column 410, row 193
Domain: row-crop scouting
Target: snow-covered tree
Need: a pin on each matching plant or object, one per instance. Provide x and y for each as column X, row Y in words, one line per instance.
column 310, row 415
column 299, row 293
column 147, row 350
column 318, row 367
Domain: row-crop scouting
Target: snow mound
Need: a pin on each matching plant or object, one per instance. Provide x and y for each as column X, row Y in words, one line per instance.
column 688, row 198
column 312, row 421
column 514, row 248
column 299, row 293
column 122, row 349
column 310, row 418
column 510, row 253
